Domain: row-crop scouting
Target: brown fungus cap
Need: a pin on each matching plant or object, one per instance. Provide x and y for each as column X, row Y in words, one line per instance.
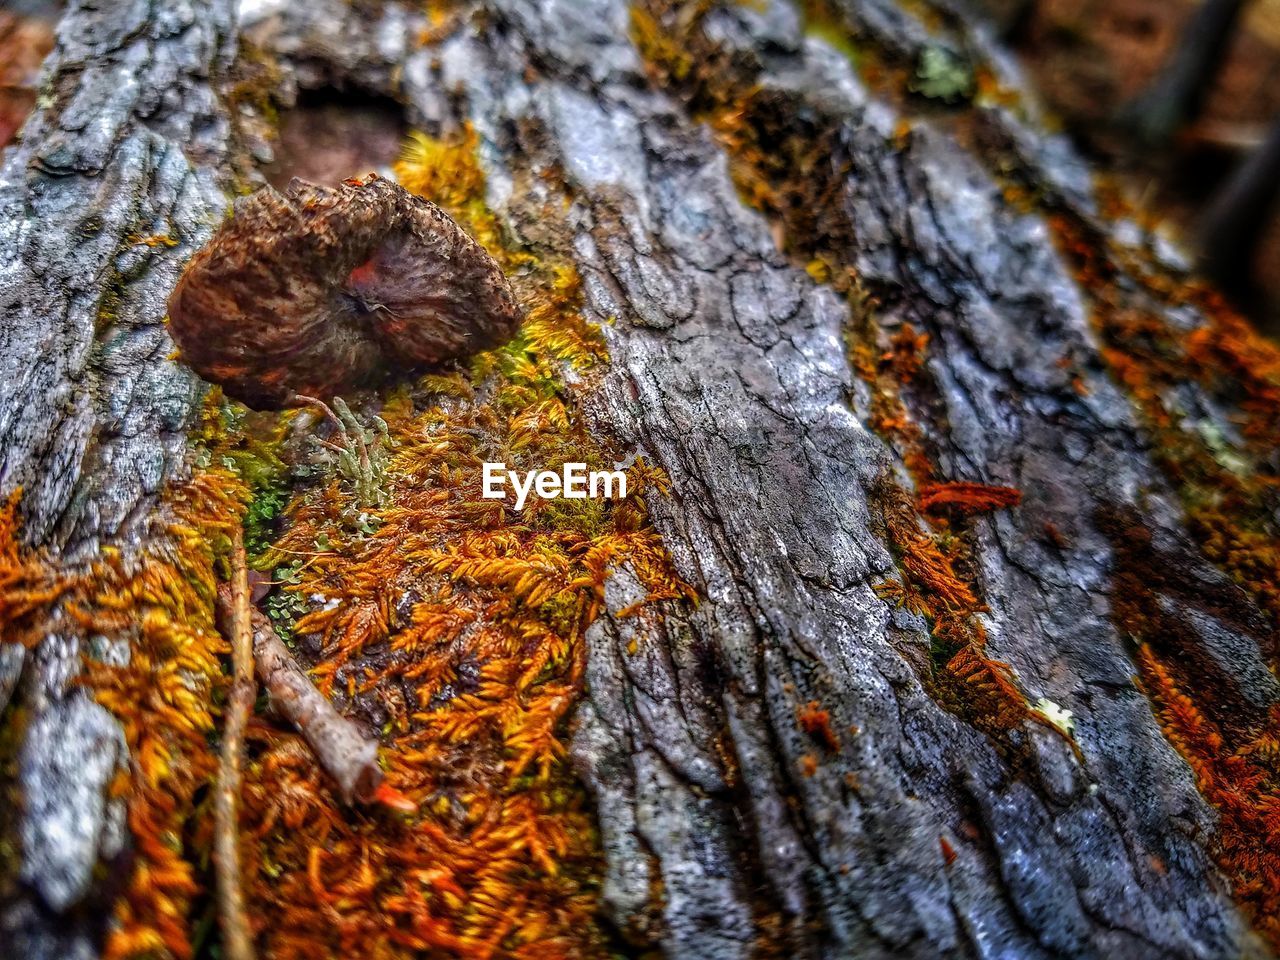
column 320, row 290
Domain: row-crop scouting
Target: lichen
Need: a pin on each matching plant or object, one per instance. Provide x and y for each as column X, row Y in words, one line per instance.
column 1060, row 718
column 942, row 75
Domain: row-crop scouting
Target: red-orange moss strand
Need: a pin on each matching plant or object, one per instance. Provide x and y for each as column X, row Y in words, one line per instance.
column 966, row 499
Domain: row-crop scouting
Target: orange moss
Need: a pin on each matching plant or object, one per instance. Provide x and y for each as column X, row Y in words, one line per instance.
column 887, row 76
column 163, row 608
column 1230, row 494
column 477, row 678
column 990, row 92
column 461, row 622
column 978, row 687
column 450, row 171
column 1053, row 533
column 29, row 584
column 933, row 573
column 966, row 498
column 159, row 605
column 888, row 372
column 1236, row 361
column 1243, row 784
column 443, row 17
column 990, row 687
column 901, row 133
column 460, row 626
column 777, row 169
column 816, row 722
column 153, row 240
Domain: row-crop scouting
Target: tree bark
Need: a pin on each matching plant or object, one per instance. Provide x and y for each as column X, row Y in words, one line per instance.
column 918, row 832
column 118, row 176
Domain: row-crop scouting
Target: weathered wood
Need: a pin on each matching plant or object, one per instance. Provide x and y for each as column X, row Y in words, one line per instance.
column 728, row 369
column 118, row 176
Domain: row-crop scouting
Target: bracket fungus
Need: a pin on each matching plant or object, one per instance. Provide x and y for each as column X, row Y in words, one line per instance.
column 319, row 290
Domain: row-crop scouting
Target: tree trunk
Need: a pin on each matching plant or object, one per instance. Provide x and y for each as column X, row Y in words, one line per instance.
column 1232, row 227
column 820, row 291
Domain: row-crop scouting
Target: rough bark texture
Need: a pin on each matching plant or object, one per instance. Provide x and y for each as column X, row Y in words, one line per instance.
column 727, row 368
column 129, row 144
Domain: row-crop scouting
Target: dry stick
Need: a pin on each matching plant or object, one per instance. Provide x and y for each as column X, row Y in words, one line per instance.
column 340, row 747
column 237, row 940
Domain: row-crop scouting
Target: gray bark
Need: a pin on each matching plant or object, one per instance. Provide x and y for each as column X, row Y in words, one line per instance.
column 727, row 368
column 129, row 140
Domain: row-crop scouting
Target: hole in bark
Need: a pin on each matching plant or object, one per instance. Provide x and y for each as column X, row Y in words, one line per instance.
column 330, row 135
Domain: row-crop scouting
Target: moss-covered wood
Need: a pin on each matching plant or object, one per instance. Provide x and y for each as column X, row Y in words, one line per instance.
column 942, row 622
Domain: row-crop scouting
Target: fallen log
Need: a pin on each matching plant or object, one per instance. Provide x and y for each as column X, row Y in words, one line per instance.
column 755, row 203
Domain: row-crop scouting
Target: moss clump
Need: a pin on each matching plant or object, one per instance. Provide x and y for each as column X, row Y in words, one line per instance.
column 455, row 627
column 160, row 605
column 247, row 445
column 30, row 584
column 934, row 582
column 1239, row 776
column 164, row 697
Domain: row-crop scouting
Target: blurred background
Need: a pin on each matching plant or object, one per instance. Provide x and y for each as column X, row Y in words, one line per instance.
column 1177, row 95
column 1181, row 98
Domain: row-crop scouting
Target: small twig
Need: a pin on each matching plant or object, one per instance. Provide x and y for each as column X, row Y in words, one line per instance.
column 325, row 410
column 340, row 747
column 236, row 936
column 338, row 744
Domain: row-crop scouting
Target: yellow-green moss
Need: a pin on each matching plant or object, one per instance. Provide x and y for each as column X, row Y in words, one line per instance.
column 461, row 625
